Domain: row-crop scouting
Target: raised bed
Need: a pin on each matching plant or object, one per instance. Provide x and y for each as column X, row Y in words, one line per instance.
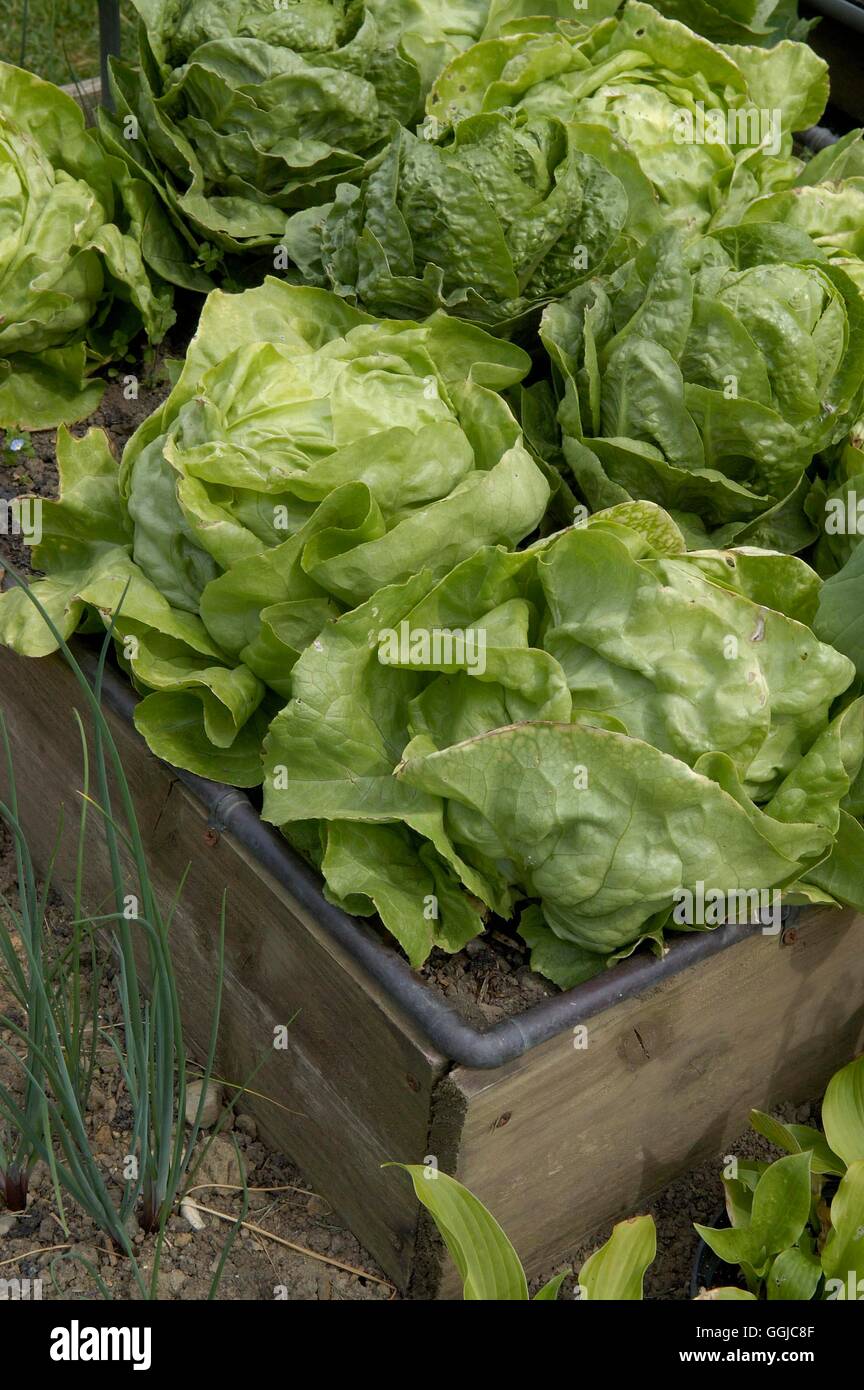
column 557, row 1139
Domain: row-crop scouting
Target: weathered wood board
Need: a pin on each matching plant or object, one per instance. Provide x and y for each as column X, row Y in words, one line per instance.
column 568, row 1138
column 353, row 1087
column 88, row 94
column 558, row 1142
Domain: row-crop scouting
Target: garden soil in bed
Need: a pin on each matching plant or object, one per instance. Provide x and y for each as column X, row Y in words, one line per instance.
column 28, row 460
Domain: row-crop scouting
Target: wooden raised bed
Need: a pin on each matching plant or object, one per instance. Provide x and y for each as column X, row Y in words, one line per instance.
column 556, row 1139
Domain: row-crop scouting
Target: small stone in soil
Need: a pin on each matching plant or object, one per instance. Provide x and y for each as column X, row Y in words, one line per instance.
column 247, row 1125
column 212, row 1107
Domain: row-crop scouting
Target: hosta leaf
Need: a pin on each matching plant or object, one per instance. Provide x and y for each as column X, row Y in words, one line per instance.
column 796, row 1138
column 843, row 1256
column 487, row 1263
column 550, row 1291
column 843, row 1112
column 794, row 1275
column 781, row 1203
column 616, row 1271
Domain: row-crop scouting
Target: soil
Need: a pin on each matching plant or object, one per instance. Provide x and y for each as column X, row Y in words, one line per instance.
column 490, row 979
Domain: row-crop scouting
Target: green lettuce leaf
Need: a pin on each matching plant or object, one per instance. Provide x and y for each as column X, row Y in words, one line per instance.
column 592, row 724
column 711, row 126
column 307, row 455
column 490, row 224
column 74, row 287
column 708, row 378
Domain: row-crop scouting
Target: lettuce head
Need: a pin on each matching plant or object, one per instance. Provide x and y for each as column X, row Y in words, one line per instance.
column 762, row 22
column 74, row 289
column 307, row 456
column 711, row 126
column 706, row 377
column 586, row 726
column 492, row 222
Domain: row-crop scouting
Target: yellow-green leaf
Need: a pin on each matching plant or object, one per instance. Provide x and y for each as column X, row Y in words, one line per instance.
column 616, row 1271
column 487, row 1262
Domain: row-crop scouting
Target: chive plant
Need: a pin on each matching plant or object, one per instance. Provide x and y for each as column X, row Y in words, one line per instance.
column 46, row 1116
column 17, row 1151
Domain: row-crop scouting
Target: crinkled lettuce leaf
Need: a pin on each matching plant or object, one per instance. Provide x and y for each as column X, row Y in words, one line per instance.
column 749, row 22
column 634, row 720
column 241, row 114
column 290, row 399
column 646, row 78
column 707, row 378
column 489, row 223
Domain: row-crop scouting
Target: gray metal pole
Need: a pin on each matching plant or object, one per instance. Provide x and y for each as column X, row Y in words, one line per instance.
column 109, row 43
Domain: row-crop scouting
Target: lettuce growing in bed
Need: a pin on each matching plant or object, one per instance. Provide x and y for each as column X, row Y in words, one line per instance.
column 587, row 726
column 433, row 32
column 494, row 221
column 308, row 455
column 239, row 113
column 711, row 127
column 74, row 289
column 827, row 203
column 706, row 378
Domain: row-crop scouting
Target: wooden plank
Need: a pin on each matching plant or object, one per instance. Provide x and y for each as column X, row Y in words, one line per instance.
column 564, row 1140
column 355, row 1080
column 88, row 94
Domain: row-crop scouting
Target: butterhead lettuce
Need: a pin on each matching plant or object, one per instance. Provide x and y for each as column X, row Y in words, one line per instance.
column 589, row 725
column 707, row 376
column 490, row 224
column 762, row 22
column 710, row 125
column 74, row 289
column 308, row 455
column 239, row 114
column 433, row 32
